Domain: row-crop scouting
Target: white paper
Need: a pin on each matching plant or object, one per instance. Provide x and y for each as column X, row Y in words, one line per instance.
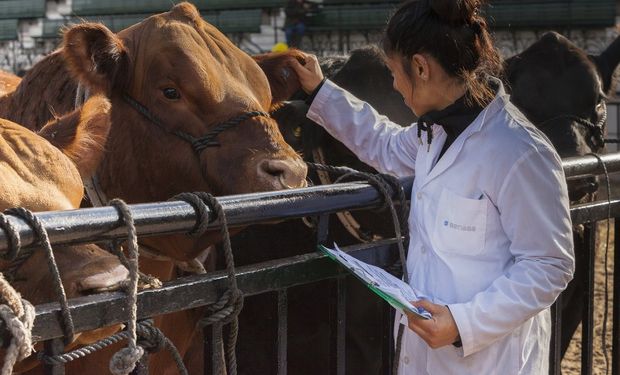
column 394, row 287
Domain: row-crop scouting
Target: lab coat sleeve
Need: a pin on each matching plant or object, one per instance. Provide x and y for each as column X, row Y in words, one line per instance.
column 384, row 145
column 534, row 212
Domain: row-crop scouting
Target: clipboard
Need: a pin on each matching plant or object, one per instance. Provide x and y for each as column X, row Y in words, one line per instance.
column 391, row 289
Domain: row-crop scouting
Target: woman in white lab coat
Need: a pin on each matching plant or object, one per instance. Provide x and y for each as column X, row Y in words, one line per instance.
column 491, row 245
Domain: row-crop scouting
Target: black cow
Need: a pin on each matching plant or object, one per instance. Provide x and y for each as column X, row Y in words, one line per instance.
column 563, row 91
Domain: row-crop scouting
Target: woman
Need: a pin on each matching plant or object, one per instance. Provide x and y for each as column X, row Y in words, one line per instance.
column 491, row 245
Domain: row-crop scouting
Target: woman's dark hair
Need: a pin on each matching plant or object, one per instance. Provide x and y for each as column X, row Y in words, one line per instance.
column 451, row 31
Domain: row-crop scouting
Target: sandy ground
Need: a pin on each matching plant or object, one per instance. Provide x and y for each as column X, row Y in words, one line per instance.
column 571, row 364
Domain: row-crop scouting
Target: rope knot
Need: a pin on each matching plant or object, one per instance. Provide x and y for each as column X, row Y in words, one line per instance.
column 150, row 338
column 124, row 361
column 18, row 315
column 225, row 310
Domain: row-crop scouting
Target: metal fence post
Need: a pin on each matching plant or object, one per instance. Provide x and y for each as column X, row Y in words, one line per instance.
column 587, row 324
column 615, row 369
column 282, row 340
column 54, row 347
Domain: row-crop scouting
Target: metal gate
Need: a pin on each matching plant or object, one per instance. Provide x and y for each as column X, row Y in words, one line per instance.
column 99, row 224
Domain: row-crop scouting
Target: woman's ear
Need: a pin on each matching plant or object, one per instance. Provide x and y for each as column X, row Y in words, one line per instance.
column 420, row 67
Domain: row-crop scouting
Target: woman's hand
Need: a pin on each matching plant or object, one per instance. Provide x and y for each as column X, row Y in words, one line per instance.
column 310, row 74
column 439, row 331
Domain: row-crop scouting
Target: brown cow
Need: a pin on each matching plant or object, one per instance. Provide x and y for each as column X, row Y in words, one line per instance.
column 189, row 77
column 39, row 176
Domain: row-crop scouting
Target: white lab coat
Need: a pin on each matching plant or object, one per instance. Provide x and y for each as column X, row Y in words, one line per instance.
column 490, row 229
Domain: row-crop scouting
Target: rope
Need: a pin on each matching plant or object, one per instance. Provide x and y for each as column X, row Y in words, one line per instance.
column 226, row 310
column 41, row 233
column 18, row 314
column 124, row 361
column 380, row 182
column 198, row 143
column 13, row 236
column 606, row 285
column 150, row 338
column 208, row 140
column 598, row 129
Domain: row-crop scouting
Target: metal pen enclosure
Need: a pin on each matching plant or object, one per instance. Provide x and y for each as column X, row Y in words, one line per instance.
column 98, row 224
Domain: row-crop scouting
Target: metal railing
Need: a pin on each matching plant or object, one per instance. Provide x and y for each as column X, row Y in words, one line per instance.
column 99, row 224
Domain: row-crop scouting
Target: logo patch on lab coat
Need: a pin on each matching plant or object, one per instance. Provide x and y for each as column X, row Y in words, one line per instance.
column 461, row 227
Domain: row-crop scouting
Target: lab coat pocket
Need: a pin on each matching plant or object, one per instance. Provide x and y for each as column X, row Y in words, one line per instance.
column 460, row 224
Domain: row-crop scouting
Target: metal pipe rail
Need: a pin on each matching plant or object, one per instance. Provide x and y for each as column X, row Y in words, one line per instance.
column 101, row 310
column 588, row 165
column 104, row 223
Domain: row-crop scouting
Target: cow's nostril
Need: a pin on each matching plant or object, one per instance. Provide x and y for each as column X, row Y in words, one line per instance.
column 284, row 173
column 275, row 168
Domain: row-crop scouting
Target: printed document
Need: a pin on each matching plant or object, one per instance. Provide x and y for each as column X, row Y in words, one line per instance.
column 392, row 289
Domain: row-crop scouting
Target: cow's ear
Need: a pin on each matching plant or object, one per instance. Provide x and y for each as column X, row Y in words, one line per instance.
column 82, row 134
column 94, row 55
column 282, row 78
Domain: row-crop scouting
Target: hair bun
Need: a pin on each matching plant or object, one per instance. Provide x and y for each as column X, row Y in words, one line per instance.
column 455, row 11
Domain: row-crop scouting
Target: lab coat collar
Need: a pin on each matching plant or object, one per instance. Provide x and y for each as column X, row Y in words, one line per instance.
column 499, row 102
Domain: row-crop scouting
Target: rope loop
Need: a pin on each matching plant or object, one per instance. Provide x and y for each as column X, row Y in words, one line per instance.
column 13, row 236
column 41, row 233
column 151, row 339
column 226, row 310
column 606, row 255
column 124, row 361
column 384, row 183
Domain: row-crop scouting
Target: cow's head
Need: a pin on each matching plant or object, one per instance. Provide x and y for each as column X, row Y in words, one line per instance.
column 42, row 173
column 557, row 86
column 173, row 78
column 190, row 78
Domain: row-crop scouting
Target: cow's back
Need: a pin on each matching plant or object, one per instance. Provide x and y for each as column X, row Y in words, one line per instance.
column 31, row 167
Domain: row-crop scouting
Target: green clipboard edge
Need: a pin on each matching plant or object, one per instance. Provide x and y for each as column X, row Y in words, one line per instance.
column 386, row 297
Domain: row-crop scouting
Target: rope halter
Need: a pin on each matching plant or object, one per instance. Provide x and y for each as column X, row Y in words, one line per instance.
column 197, row 143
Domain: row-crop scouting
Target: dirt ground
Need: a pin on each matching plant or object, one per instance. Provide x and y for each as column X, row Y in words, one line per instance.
column 571, row 364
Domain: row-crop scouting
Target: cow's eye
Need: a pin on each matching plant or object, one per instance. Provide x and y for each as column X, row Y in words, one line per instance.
column 171, row 93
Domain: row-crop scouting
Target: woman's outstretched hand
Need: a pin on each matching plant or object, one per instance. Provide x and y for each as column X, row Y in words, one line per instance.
column 440, row 330
column 310, row 75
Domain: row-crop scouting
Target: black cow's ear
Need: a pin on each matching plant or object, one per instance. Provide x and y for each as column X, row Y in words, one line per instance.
column 94, row 55
column 283, row 80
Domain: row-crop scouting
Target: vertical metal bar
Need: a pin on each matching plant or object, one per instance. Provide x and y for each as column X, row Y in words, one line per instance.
column 555, row 364
column 341, row 326
column 388, row 340
column 282, row 331
column 322, row 229
column 615, row 348
column 587, row 324
column 217, row 350
column 207, row 349
column 51, row 348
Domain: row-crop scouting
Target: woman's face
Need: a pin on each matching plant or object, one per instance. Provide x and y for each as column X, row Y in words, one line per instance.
column 422, row 91
column 401, row 80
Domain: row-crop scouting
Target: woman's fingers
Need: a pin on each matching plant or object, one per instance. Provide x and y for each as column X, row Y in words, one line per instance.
column 310, row 75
